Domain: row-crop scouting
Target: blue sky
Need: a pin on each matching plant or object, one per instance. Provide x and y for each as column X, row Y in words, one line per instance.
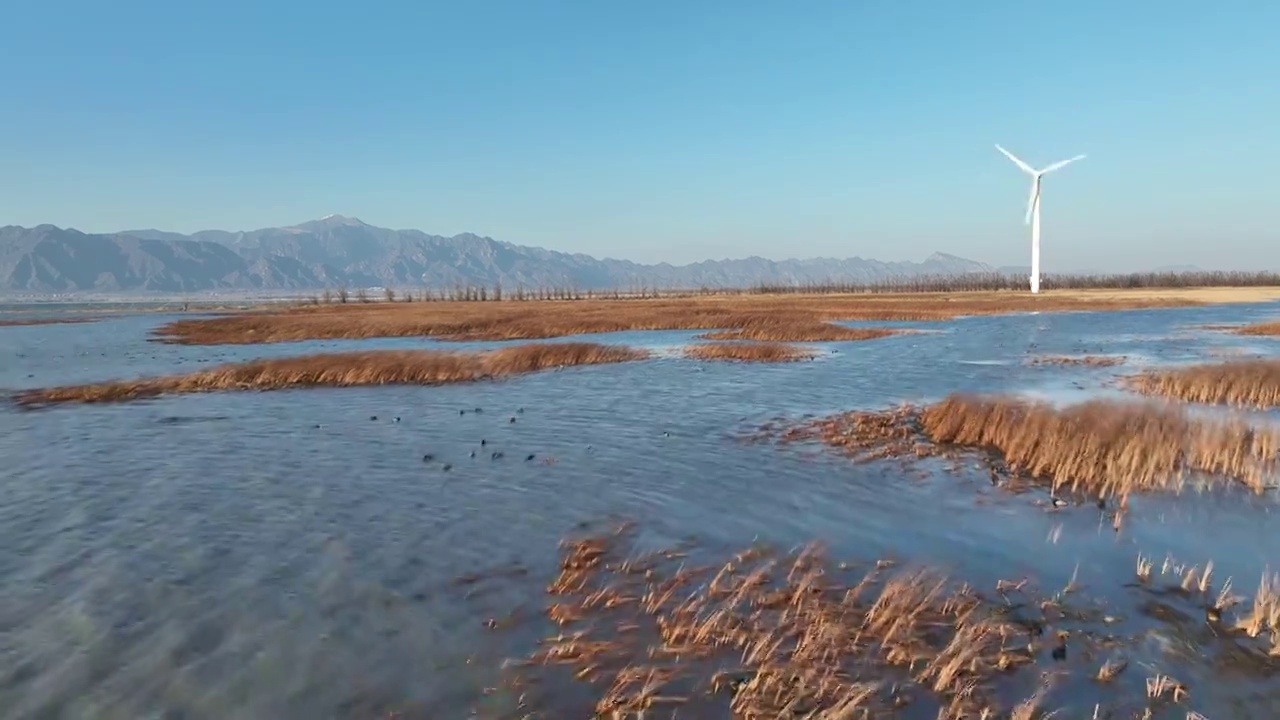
column 661, row 130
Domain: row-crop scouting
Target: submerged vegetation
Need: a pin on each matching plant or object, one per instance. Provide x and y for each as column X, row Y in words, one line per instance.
column 1089, row 360
column 763, row 633
column 770, row 635
column 760, row 317
column 749, row 352
column 766, row 634
column 1253, row 383
column 1100, row 448
column 390, row 367
column 783, row 331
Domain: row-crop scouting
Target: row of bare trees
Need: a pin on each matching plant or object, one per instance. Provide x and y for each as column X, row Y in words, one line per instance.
column 477, row 293
column 979, row 282
column 974, row 282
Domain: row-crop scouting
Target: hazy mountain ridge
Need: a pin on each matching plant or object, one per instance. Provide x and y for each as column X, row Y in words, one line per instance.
column 339, row 251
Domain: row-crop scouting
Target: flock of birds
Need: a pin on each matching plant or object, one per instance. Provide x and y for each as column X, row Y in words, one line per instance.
column 494, row 455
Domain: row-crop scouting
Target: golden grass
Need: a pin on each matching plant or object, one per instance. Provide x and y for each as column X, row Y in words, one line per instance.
column 748, row 352
column 1088, row 360
column 1100, row 447
column 47, row 321
column 391, row 367
column 771, row 635
column 546, row 319
column 1251, row 383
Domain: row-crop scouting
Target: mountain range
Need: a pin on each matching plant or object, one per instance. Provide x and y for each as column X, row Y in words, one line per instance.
column 337, row 251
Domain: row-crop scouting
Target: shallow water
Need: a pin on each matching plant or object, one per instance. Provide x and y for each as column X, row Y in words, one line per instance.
column 281, row 555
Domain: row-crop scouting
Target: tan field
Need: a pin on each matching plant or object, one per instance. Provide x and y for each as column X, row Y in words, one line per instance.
column 1192, row 295
column 391, row 367
column 783, row 317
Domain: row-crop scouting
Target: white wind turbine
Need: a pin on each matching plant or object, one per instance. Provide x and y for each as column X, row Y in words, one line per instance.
column 1033, row 208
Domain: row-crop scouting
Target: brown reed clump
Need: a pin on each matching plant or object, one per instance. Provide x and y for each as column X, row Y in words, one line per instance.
column 771, row 314
column 1263, row 328
column 1105, row 447
column 397, row 367
column 867, row 435
column 749, row 352
column 772, row 636
column 1253, row 383
column 47, row 321
column 1100, row 447
column 1088, row 360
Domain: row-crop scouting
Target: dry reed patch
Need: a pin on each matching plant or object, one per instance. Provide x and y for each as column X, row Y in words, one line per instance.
column 1262, row 328
column 864, row 435
column 510, row 320
column 1253, row 383
column 47, row 321
column 422, row 367
column 1087, row 360
column 1100, row 447
column 749, row 352
column 768, row 635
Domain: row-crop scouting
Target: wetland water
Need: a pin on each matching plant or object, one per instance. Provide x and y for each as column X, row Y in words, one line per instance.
column 283, row 555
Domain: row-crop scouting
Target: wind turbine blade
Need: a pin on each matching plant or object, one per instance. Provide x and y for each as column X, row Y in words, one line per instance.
column 1025, row 167
column 1061, row 164
column 1031, row 200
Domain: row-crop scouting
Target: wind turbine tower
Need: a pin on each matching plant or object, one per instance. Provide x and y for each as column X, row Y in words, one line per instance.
column 1033, row 207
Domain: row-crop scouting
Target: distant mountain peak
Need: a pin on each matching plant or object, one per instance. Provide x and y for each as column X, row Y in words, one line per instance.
column 342, row 251
column 333, row 220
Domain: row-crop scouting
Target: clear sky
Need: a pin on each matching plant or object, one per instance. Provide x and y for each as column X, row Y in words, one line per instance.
column 674, row 130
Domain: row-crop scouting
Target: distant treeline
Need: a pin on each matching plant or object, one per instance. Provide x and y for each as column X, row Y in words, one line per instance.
column 474, row 293
column 980, row 282
column 973, row 282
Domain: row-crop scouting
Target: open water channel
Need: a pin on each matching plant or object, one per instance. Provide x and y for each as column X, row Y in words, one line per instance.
column 284, row 555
